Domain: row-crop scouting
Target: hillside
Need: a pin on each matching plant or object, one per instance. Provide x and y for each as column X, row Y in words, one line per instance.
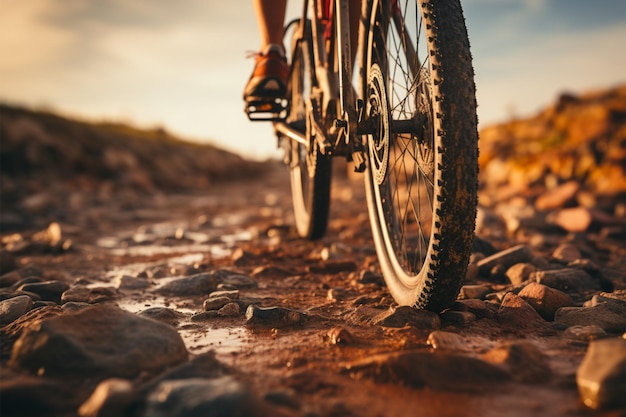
column 578, row 138
column 41, row 149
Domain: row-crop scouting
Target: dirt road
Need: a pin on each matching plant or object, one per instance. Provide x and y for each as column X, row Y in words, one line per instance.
column 194, row 305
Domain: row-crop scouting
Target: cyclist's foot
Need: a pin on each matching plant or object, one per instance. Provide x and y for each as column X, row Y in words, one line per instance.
column 267, row 87
column 269, row 78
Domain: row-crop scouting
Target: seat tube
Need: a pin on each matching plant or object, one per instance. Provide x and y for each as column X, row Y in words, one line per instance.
column 344, row 54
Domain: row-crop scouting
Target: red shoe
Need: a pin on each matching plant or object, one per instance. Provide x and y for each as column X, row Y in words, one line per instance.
column 269, row 78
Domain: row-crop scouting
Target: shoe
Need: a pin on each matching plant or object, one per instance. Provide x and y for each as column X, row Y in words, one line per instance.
column 269, row 78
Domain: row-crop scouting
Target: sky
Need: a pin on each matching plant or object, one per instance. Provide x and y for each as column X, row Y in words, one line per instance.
column 182, row 65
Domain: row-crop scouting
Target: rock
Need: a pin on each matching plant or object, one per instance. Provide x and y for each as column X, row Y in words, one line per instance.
column 235, row 281
column 110, row 399
column 608, row 316
column 162, row 314
column 89, row 295
column 274, row 316
column 13, row 308
column 74, row 306
column 442, row 340
column 458, row 317
column 508, row 257
column 27, row 395
column 201, row 397
column 601, row 377
column 545, row 300
column 558, row 197
column 47, row 290
column 475, row 291
column 337, row 294
column 478, row 307
column 520, row 272
column 408, row 316
column 230, row 294
column 197, row 284
column 517, row 313
column 585, row 333
column 438, row 370
column 229, row 310
column 567, row 280
column 99, row 341
column 522, row 359
column 215, row 303
column 566, row 253
column 579, row 219
column 126, row 282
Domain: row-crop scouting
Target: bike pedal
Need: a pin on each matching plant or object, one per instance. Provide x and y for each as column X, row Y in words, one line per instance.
column 264, row 109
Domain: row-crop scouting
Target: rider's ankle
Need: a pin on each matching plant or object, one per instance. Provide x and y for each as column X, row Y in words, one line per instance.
column 274, row 47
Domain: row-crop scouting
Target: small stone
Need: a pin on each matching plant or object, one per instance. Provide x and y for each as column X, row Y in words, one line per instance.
column 585, row 333
column 567, row 279
column 545, row 300
column 442, row 340
column 475, row 291
column 274, row 316
column 340, row 336
column 520, row 272
column 197, row 284
column 195, row 397
column 608, row 316
column 13, row 308
column 516, row 312
column 478, row 307
column 566, row 253
column 508, row 257
column 215, row 303
column 126, row 282
column 408, row 316
column 237, row 282
column 162, row 314
column 523, row 359
column 74, row 306
column 458, row 317
column 47, row 290
column 558, row 197
column 110, row 399
column 231, row 294
column 229, row 310
column 203, row 316
column 601, row 377
column 89, row 295
column 98, row 341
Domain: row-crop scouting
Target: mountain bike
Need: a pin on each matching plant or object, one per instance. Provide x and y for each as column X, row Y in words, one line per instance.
column 408, row 122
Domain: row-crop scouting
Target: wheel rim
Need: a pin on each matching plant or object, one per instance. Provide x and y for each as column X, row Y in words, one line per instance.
column 402, row 164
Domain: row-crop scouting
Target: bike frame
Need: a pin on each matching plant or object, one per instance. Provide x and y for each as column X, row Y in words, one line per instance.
column 332, row 114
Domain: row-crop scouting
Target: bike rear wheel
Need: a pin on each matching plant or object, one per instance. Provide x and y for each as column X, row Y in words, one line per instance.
column 421, row 180
column 310, row 170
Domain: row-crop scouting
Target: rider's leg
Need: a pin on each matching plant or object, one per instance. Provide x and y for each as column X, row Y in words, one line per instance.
column 270, row 16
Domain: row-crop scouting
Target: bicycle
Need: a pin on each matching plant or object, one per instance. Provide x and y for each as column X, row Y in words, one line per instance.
column 409, row 124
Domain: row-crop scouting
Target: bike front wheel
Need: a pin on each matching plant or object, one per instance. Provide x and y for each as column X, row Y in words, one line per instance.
column 421, row 180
